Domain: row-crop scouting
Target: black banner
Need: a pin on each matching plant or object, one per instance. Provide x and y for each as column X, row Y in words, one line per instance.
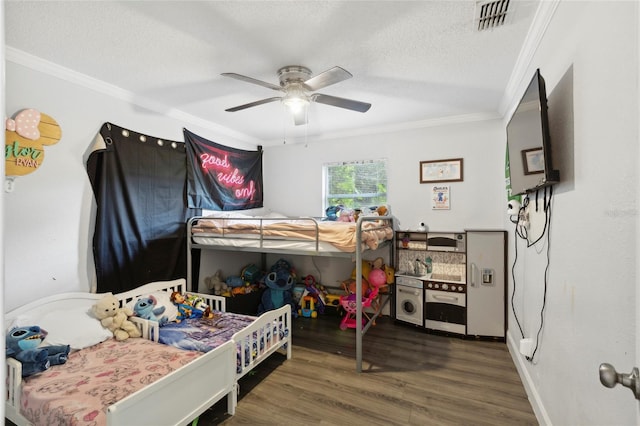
column 220, row 177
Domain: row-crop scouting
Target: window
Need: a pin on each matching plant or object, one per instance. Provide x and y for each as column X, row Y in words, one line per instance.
column 355, row 184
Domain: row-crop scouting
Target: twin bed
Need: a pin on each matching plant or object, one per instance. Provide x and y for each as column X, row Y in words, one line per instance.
column 279, row 234
column 140, row 381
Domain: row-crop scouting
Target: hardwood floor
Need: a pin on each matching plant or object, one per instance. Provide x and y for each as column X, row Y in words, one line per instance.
column 409, row 377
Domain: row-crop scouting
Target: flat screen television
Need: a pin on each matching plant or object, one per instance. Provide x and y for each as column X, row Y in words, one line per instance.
column 529, row 141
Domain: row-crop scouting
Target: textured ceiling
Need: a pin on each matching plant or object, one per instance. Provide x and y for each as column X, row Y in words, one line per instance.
column 414, row 61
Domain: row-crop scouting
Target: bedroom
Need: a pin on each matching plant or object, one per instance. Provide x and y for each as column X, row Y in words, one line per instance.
column 47, row 224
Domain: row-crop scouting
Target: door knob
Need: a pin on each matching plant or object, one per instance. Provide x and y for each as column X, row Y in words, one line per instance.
column 609, row 377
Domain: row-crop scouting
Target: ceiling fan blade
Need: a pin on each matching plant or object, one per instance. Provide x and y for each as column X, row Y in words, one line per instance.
column 341, row 102
column 326, row 78
column 300, row 117
column 252, row 80
column 252, row 104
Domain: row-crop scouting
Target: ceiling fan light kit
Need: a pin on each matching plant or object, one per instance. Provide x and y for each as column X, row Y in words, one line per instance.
column 296, row 82
column 295, row 98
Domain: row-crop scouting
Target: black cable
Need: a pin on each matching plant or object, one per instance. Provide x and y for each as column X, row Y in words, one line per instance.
column 546, row 218
column 546, row 272
column 521, row 231
column 513, row 276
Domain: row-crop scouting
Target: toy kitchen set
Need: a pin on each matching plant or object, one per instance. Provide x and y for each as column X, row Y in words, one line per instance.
column 452, row 283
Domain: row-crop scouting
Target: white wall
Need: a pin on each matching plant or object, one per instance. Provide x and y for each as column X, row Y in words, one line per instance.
column 293, row 185
column 293, row 181
column 590, row 309
column 48, row 224
column 590, row 312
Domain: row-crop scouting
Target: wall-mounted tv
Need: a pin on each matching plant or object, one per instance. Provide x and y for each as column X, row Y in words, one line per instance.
column 529, row 141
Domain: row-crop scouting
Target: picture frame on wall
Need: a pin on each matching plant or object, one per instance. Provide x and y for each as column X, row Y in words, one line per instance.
column 533, row 161
column 440, row 197
column 450, row 170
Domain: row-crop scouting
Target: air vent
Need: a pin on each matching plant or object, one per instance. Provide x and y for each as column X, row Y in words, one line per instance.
column 491, row 14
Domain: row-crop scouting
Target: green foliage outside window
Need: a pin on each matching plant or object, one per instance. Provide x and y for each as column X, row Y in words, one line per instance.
column 356, row 184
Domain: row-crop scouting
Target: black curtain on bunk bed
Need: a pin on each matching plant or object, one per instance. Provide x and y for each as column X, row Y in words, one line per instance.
column 139, row 183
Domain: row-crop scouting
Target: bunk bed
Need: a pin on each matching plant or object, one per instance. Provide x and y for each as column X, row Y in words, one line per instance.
column 278, row 234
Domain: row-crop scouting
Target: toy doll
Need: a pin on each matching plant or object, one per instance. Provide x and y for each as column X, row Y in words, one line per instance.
column 190, row 307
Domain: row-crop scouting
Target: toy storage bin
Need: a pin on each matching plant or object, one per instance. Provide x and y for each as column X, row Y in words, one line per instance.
column 246, row 304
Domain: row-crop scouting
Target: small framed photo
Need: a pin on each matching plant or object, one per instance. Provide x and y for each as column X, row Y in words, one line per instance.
column 533, row 161
column 441, row 171
column 440, row 197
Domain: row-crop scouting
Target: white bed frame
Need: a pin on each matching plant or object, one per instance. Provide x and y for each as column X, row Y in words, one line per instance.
column 202, row 382
column 258, row 330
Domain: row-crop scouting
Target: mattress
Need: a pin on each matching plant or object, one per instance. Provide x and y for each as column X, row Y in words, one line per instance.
column 79, row 391
column 290, row 233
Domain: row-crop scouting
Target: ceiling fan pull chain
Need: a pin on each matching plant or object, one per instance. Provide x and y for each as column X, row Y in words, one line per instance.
column 284, row 125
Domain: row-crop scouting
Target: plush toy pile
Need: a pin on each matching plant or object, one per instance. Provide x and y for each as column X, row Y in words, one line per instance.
column 115, row 318
column 22, row 343
column 374, row 274
column 249, row 281
column 341, row 213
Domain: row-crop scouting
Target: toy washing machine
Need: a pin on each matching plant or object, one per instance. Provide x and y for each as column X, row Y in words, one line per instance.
column 409, row 300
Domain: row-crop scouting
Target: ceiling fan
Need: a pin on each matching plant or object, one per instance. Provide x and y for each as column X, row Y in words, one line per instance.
column 296, row 82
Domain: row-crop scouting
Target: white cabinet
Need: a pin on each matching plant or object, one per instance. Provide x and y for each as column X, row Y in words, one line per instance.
column 486, row 287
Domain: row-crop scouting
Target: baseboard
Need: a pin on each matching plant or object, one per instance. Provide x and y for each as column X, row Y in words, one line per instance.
column 534, row 398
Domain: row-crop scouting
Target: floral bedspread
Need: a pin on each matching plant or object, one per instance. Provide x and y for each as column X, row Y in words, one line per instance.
column 79, row 391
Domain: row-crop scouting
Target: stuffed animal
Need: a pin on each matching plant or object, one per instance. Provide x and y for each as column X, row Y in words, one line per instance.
column 145, row 308
column 22, row 343
column 216, row 284
column 332, row 212
column 235, row 281
column 115, row 318
column 347, row 215
column 279, row 291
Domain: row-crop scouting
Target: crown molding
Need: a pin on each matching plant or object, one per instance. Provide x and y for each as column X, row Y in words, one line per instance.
column 395, row 128
column 38, row 64
column 520, row 73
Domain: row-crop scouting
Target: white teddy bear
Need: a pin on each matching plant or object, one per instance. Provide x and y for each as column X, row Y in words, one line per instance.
column 115, row 318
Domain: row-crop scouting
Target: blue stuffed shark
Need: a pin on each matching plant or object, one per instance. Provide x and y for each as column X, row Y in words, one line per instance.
column 22, row 344
column 145, row 308
column 279, row 284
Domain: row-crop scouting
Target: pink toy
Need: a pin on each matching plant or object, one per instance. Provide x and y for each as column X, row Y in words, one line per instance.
column 377, row 278
column 348, row 303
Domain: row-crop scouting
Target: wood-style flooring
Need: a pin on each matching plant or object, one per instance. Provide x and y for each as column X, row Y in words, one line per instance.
column 409, row 377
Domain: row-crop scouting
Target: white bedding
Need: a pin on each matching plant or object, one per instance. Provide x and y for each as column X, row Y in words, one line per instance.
column 275, row 232
column 240, row 241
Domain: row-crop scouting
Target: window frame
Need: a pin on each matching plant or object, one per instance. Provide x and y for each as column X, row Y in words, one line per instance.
column 326, row 174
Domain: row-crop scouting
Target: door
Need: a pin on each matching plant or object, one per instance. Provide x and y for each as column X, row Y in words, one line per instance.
column 486, row 291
